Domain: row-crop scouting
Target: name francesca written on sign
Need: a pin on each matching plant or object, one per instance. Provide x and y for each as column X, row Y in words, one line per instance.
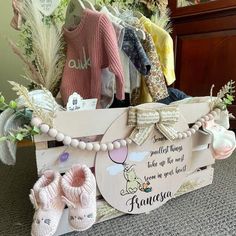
column 145, row 176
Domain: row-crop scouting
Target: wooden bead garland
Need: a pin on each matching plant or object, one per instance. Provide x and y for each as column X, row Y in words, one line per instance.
column 68, row 141
column 198, row 124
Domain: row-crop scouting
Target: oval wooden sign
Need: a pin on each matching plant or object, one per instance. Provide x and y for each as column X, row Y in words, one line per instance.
column 139, row 179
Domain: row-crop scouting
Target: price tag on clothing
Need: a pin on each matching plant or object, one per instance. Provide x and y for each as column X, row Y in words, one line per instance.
column 76, row 102
column 47, row 7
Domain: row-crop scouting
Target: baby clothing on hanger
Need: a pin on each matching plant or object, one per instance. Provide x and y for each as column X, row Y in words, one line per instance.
column 131, row 45
column 164, row 47
column 135, row 84
column 135, row 61
column 155, row 80
column 131, row 51
column 134, row 50
column 91, row 47
column 108, row 78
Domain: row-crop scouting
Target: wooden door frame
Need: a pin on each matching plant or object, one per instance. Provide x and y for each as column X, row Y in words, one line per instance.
column 200, row 15
column 199, row 9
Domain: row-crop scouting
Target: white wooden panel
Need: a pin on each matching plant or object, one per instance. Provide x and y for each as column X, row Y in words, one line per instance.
column 86, row 123
column 200, row 138
column 192, row 112
column 200, row 159
column 49, row 159
column 96, row 122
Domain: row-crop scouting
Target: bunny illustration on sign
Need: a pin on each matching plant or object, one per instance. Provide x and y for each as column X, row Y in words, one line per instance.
column 133, row 182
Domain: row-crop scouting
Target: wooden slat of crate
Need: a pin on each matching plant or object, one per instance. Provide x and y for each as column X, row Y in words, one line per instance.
column 193, row 182
column 49, row 159
column 88, row 123
column 84, row 123
column 201, row 159
column 200, row 139
column 192, row 112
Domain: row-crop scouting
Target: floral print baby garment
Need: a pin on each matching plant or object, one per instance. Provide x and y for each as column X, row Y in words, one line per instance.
column 155, row 80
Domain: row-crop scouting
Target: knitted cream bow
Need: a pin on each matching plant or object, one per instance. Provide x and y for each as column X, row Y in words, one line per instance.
column 145, row 119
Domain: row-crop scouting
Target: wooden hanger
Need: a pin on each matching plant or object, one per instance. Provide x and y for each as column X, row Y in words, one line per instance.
column 89, row 5
column 73, row 13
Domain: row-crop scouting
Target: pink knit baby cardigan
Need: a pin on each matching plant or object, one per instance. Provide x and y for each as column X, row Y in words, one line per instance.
column 91, row 46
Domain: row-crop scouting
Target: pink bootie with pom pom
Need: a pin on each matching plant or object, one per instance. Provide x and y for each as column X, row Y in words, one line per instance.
column 79, row 187
column 46, row 198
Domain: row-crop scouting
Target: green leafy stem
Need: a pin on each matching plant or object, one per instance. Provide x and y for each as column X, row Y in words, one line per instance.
column 225, row 96
column 3, row 105
column 25, row 132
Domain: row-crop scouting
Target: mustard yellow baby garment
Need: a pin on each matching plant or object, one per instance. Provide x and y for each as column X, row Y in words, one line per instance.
column 140, row 94
column 164, row 46
column 145, row 96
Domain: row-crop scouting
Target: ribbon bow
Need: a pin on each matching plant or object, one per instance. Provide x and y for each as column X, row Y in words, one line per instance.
column 145, row 119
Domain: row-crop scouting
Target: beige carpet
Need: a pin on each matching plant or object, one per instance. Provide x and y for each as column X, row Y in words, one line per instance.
column 208, row 211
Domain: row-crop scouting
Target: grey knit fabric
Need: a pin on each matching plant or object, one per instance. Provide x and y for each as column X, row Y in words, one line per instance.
column 208, row 211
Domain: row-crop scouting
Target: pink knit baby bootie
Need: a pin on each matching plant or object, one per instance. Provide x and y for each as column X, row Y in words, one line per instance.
column 79, row 187
column 46, row 198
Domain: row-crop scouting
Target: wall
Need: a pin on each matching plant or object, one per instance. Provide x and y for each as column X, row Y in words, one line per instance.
column 10, row 65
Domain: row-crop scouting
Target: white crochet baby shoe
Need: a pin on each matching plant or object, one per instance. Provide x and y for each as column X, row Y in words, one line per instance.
column 46, row 198
column 79, row 187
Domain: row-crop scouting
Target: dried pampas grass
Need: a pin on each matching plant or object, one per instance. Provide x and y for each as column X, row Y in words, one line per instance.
column 48, row 47
column 162, row 19
column 37, row 107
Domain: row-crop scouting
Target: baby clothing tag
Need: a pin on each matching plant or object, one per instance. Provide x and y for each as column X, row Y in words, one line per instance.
column 76, row 102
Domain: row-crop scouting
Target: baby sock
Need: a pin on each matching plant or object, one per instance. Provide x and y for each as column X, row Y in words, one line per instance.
column 79, row 187
column 46, row 198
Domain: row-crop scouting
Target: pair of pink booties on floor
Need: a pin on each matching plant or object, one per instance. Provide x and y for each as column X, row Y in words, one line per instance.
column 77, row 189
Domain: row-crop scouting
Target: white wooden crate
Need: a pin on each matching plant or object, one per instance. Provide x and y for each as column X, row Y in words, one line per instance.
column 96, row 123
